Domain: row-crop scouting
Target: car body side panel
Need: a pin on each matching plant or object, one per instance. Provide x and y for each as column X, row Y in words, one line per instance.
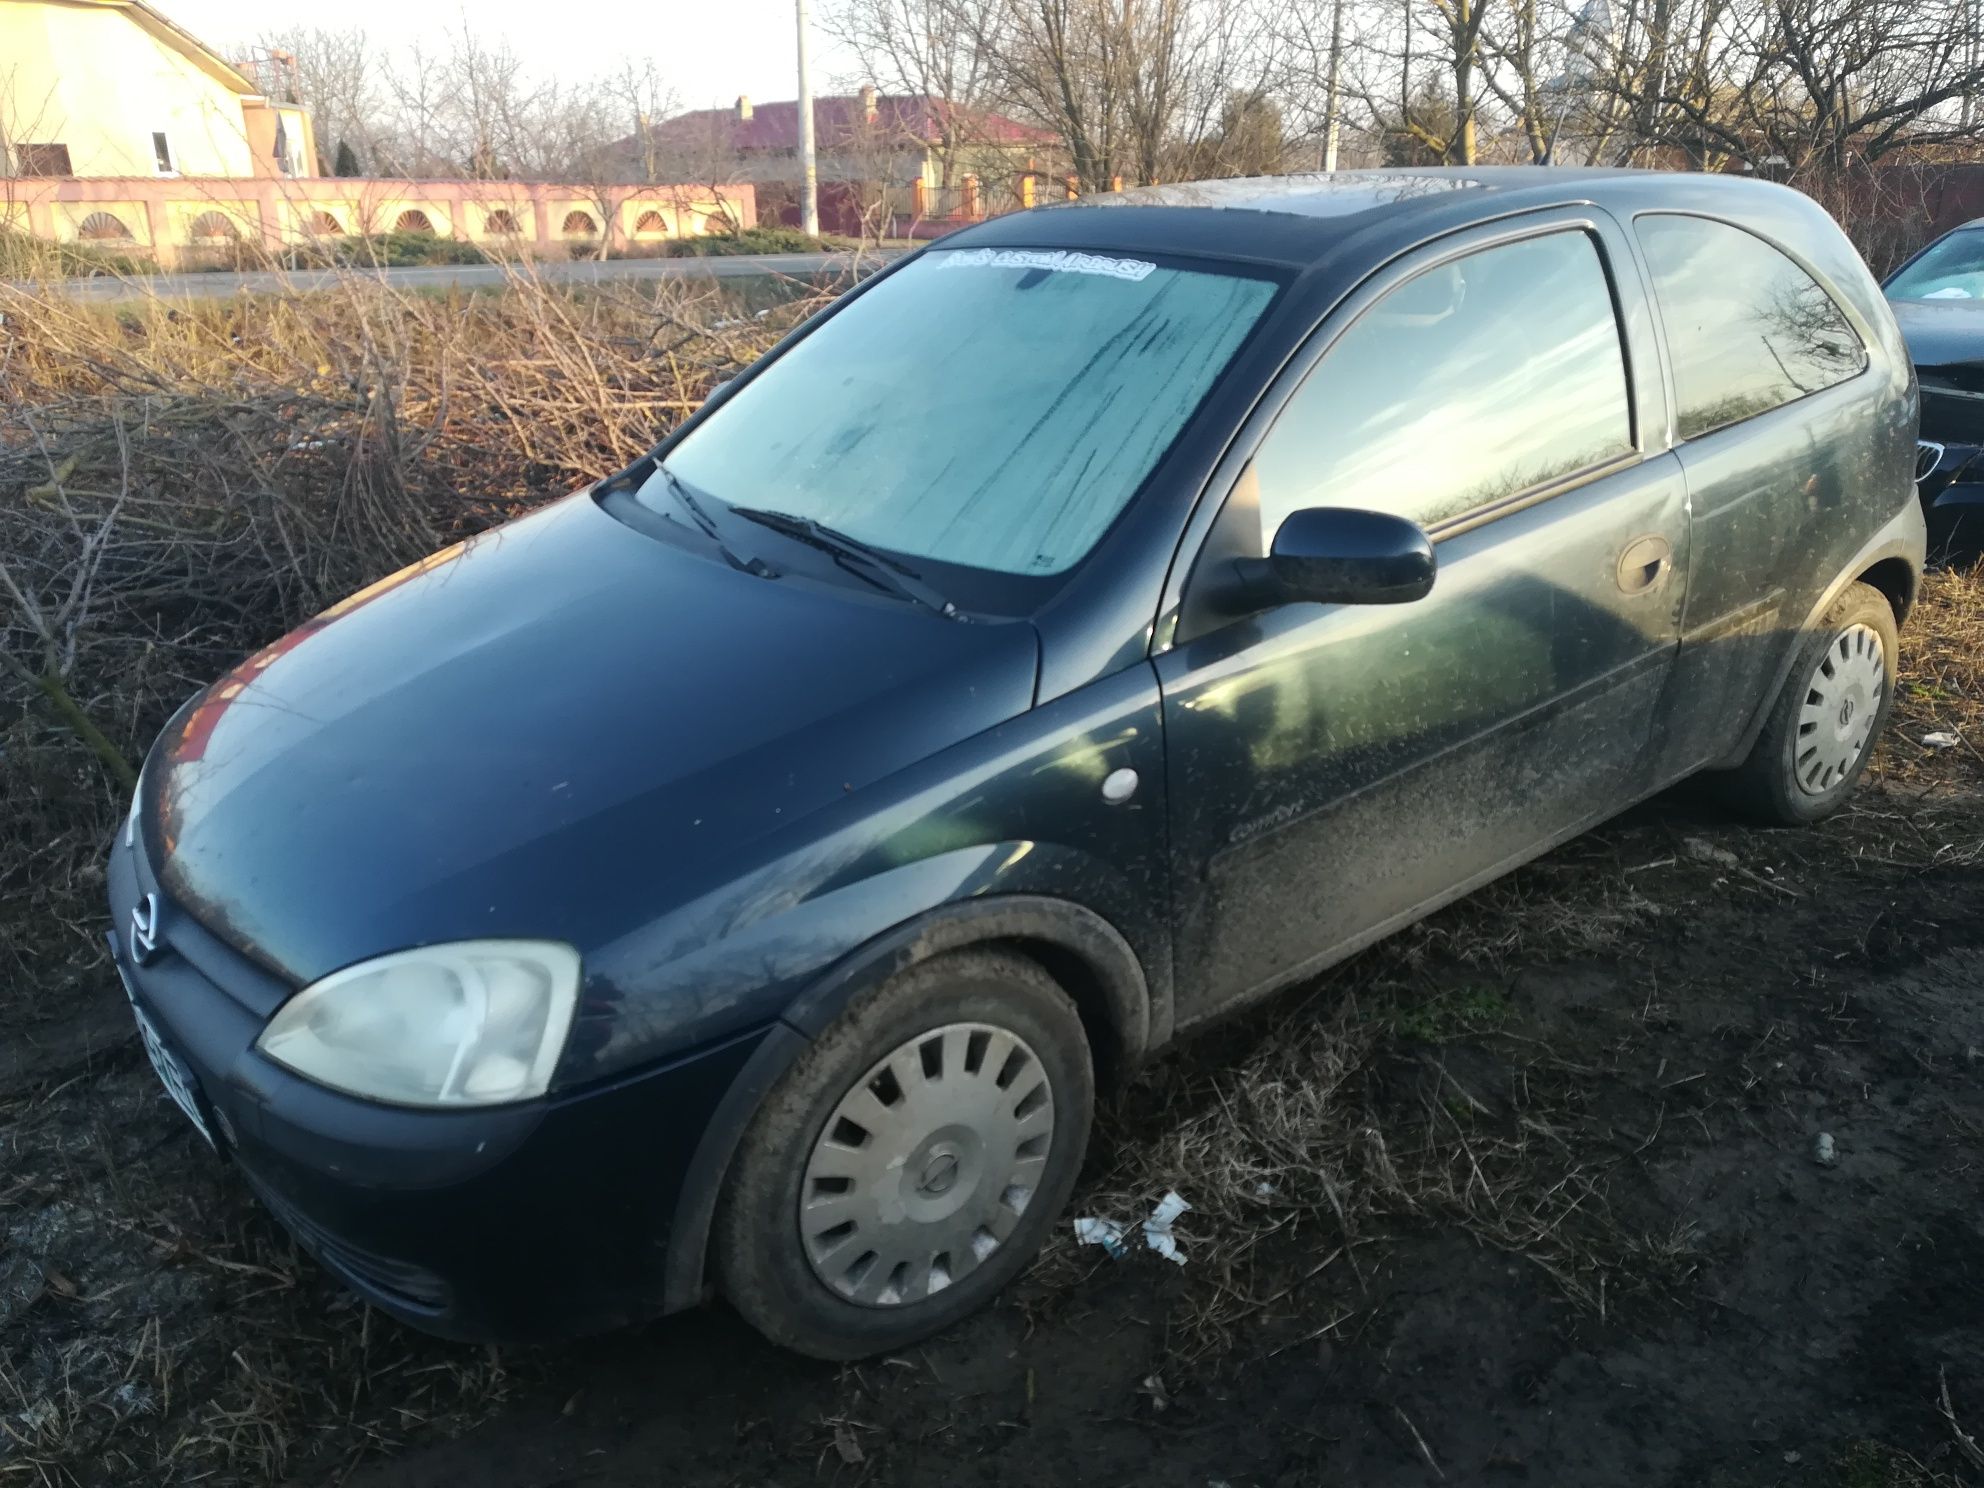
column 1333, row 767
column 1016, row 810
column 1902, row 539
column 1782, row 503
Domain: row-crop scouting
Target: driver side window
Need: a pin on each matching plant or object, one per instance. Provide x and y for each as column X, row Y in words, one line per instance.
column 1469, row 383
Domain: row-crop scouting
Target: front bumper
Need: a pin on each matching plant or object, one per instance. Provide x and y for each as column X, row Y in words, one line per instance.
column 547, row 1219
column 1950, row 481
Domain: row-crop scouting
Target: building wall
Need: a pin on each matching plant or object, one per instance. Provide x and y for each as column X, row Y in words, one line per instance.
column 281, row 139
column 186, row 222
column 106, row 112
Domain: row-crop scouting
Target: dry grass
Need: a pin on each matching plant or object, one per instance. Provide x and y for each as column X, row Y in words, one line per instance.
column 180, row 484
column 1942, row 689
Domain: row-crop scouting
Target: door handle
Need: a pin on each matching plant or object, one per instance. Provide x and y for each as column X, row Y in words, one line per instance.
column 1644, row 564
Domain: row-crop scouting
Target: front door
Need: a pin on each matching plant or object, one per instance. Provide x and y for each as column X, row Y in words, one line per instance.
column 1334, row 771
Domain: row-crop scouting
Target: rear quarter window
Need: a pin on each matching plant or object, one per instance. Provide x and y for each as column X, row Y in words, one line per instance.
column 1748, row 330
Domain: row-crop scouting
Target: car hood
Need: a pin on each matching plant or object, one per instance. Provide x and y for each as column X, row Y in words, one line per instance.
column 1941, row 333
column 556, row 730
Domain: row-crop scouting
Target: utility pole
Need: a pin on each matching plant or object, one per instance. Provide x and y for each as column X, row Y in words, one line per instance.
column 1333, row 105
column 809, row 167
column 1973, row 49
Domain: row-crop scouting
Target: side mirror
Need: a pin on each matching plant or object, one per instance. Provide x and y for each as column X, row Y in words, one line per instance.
column 1337, row 555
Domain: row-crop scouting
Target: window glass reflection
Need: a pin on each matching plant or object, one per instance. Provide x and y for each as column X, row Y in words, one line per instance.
column 1748, row 329
column 1469, row 383
column 990, row 408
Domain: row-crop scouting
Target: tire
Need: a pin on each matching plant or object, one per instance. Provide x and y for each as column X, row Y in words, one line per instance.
column 954, row 1163
column 1824, row 724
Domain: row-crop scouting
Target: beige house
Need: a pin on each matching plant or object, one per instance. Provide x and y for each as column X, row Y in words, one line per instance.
column 120, row 130
column 112, row 88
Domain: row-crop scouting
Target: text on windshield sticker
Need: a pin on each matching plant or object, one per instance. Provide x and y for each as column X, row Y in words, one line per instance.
column 1059, row 260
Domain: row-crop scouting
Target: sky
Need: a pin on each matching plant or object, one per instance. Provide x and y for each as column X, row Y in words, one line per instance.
column 708, row 51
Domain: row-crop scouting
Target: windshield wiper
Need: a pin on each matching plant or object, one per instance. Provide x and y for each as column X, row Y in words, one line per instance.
column 707, row 523
column 854, row 555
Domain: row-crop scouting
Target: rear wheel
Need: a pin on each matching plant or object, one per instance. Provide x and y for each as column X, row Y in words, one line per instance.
column 1822, row 729
column 911, row 1161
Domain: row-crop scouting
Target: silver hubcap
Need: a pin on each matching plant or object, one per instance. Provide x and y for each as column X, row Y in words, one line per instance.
column 1842, row 700
column 926, row 1165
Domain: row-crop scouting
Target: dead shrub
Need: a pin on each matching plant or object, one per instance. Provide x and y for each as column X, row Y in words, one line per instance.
column 180, row 483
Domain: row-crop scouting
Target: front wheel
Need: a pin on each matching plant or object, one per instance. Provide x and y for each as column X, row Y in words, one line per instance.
column 1823, row 726
column 911, row 1161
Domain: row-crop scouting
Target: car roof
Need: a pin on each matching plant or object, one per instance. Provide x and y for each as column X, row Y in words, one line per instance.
column 1295, row 220
column 1343, row 193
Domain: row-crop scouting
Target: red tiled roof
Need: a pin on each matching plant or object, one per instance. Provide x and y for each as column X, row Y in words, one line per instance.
column 775, row 126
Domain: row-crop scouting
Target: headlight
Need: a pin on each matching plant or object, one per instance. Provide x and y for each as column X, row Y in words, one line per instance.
column 475, row 1023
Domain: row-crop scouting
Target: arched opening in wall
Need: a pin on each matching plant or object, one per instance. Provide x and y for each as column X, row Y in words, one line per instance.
column 322, row 225
column 214, row 227
column 580, row 225
column 413, row 220
column 502, row 221
column 650, row 222
column 103, row 227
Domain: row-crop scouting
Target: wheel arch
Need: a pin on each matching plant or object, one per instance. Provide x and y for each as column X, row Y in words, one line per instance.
column 1891, row 562
column 1897, row 582
column 1081, row 950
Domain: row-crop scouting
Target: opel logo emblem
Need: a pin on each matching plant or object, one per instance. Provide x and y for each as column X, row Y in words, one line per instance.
column 143, row 938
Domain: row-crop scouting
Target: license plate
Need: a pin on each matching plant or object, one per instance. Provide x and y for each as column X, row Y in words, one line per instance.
column 174, row 1076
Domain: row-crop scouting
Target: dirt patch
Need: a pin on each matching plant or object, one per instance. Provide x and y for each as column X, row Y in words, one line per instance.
column 1580, row 1234
column 1532, row 1193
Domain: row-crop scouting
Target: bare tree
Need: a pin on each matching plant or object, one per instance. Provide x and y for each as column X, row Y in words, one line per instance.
column 1061, row 62
column 640, row 93
column 1131, row 86
column 1802, row 88
column 337, row 80
column 936, row 51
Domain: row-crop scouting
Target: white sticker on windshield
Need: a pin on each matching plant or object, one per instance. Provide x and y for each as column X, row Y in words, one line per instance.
column 1058, row 260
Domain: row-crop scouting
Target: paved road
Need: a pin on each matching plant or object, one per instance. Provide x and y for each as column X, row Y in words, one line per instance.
column 474, row 276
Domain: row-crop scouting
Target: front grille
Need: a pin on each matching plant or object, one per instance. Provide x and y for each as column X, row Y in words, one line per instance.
column 396, row 1281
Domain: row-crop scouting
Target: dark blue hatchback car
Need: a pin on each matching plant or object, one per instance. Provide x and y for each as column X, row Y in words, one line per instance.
column 743, row 873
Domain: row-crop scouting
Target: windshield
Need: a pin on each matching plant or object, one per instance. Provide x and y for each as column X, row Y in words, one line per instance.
column 1950, row 269
column 991, row 408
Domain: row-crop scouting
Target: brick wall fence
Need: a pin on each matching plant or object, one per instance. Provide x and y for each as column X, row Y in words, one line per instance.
column 183, row 220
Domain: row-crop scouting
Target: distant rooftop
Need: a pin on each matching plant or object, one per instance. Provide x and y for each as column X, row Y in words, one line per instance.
column 748, row 127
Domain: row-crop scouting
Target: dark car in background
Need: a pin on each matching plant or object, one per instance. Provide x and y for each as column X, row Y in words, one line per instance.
column 742, row 874
column 1938, row 300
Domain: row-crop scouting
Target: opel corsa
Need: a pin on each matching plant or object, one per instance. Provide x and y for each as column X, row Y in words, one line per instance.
column 742, row 874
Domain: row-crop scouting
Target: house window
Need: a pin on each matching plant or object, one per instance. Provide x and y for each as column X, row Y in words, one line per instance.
column 43, row 160
column 161, row 153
